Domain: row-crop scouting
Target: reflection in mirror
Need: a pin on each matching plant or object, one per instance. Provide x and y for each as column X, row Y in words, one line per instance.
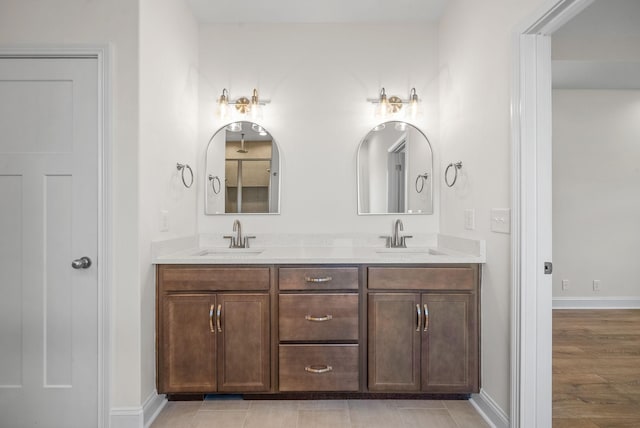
column 242, row 171
column 395, row 171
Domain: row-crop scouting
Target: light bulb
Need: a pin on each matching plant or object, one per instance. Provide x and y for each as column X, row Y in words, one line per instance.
column 383, row 104
column 223, row 105
column 413, row 110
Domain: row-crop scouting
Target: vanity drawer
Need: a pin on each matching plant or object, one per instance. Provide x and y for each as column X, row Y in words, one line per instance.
column 207, row 278
column 423, row 278
column 329, row 278
column 318, row 316
column 318, row 367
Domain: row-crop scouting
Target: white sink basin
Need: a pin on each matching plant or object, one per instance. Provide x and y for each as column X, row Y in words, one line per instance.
column 229, row 252
column 407, row 252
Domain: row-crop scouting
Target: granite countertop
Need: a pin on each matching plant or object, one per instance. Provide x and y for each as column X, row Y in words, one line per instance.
column 436, row 249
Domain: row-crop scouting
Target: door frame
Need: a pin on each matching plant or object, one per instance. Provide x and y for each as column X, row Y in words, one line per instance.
column 102, row 53
column 531, row 242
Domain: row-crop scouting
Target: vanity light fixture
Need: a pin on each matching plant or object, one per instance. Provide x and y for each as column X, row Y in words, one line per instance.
column 392, row 106
column 259, row 129
column 243, row 106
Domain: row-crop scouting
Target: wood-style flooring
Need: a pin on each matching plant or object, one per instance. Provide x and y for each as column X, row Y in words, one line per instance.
column 225, row 413
column 596, row 368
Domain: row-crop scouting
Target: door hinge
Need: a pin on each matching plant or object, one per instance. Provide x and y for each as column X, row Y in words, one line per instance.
column 548, row 268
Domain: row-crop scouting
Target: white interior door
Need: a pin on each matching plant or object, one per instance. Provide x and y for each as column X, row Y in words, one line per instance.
column 48, row 218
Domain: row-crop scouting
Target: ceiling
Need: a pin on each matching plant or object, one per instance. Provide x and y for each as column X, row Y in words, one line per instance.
column 317, row 11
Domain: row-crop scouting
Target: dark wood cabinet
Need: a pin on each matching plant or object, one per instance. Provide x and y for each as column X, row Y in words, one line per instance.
column 394, row 342
column 243, row 342
column 187, row 344
column 356, row 329
column 423, row 341
column 212, row 342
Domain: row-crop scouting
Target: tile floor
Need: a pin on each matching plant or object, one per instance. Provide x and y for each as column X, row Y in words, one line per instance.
column 238, row 413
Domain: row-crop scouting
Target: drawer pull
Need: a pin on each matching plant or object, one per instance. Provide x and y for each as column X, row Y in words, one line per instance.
column 211, row 310
column 318, row 369
column 426, row 317
column 318, row 319
column 218, row 316
column 418, row 318
column 323, row 279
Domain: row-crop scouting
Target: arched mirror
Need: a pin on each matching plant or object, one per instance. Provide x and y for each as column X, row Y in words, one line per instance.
column 395, row 171
column 242, row 171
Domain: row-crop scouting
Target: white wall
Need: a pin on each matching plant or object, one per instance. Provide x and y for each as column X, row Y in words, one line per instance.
column 607, row 30
column 596, row 183
column 93, row 22
column 476, row 55
column 168, row 134
column 318, row 77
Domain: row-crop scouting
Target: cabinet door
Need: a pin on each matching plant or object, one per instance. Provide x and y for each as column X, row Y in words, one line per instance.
column 243, row 334
column 187, row 345
column 394, row 341
column 449, row 343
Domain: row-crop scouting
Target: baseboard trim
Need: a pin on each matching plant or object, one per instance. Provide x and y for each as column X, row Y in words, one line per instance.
column 596, row 303
column 152, row 407
column 127, row 417
column 489, row 410
column 138, row 417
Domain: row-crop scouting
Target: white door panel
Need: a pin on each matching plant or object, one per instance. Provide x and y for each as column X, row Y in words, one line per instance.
column 48, row 217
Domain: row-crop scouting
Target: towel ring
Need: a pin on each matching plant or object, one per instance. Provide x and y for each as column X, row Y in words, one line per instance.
column 456, row 166
column 421, row 178
column 182, row 167
column 212, row 180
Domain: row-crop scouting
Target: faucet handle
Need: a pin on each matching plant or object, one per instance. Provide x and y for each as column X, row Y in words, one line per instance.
column 387, row 240
column 403, row 244
column 246, row 241
column 232, row 243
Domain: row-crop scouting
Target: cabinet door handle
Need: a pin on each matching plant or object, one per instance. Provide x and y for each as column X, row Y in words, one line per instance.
column 418, row 318
column 318, row 369
column 218, row 316
column 318, row 319
column 211, row 310
column 323, row 279
column 426, row 317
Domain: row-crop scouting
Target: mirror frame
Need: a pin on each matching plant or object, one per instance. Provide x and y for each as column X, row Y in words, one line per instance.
column 206, row 180
column 430, row 181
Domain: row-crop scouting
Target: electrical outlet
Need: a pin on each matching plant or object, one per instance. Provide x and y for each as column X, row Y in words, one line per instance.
column 470, row 219
column 164, row 221
column 596, row 285
column 565, row 284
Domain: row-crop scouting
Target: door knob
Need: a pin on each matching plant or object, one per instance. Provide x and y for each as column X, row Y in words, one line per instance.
column 81, row 263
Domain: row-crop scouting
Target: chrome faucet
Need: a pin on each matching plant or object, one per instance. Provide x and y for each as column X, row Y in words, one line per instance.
column 395, row 240
column 238, row 241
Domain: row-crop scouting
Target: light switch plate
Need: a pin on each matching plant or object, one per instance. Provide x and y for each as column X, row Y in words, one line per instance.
column 501, row 220
column 470, row 219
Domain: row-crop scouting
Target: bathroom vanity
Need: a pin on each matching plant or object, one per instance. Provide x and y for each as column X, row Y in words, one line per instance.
column 320, row 321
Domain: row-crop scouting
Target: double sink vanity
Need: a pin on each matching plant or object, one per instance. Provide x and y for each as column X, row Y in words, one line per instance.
column 304, row 315
column 323, row 315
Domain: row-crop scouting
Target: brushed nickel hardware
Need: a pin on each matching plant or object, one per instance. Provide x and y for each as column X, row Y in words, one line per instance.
column 323, row 279
column 456, row 166
column 426, row 317
column 238, row 241
column 395, row 240
column 419, row 318
column 211, row 310
column 213, row 179
column 548, row 268
column 420, row 179
column 182, row 167
column 218, row 316
column 318, row 369
column 81, row 263
column 318, row 319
